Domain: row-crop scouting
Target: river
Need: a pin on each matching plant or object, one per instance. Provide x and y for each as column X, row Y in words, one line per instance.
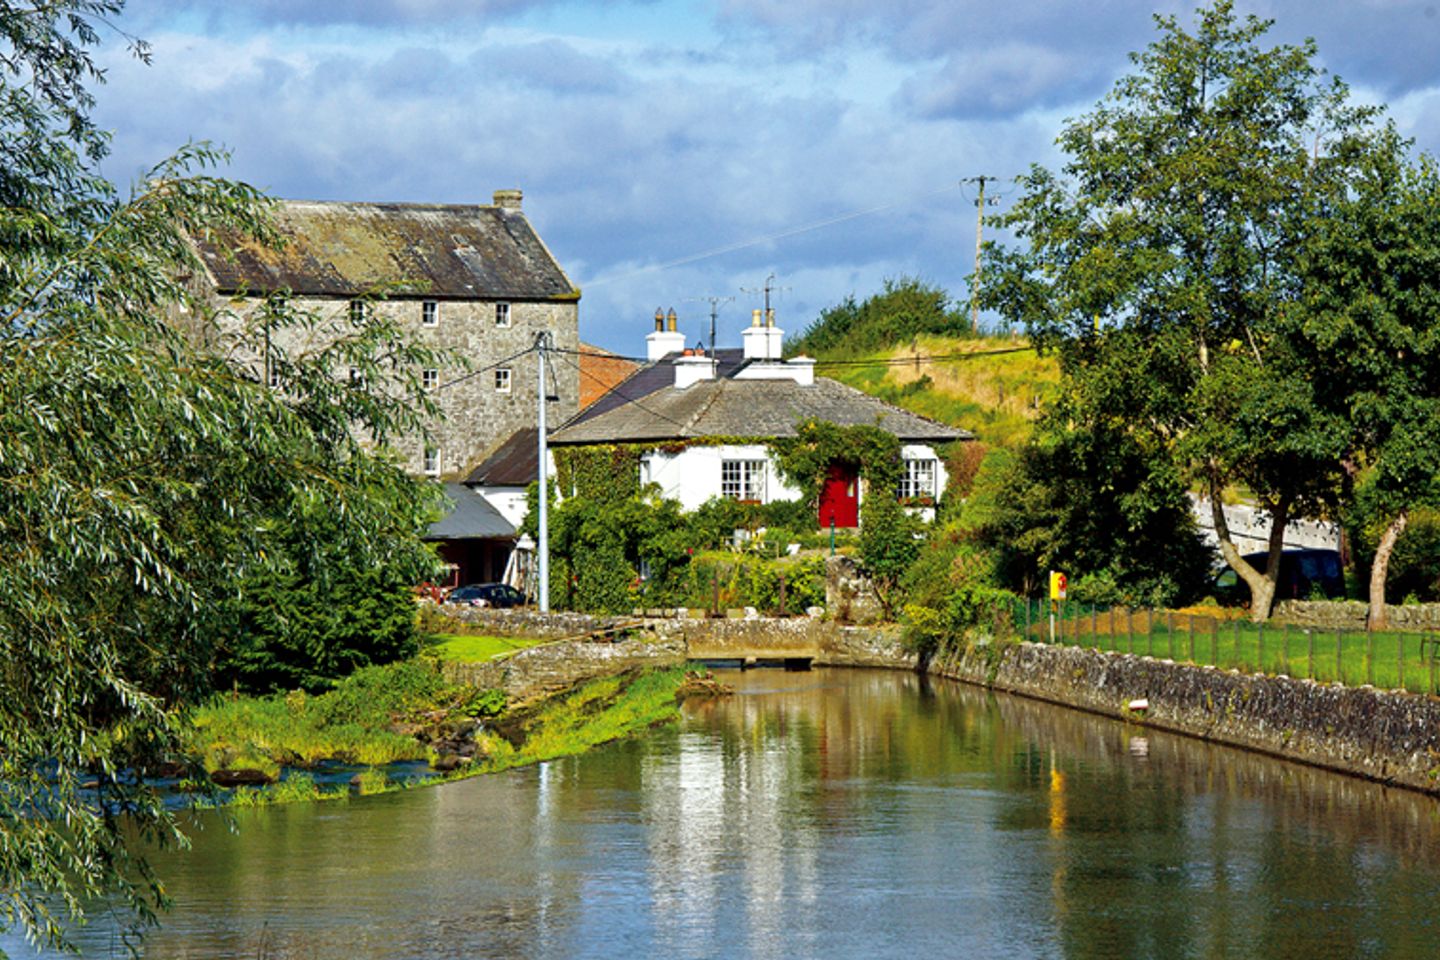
column 831, row 814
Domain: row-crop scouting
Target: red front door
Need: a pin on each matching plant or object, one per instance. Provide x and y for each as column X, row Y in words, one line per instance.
column 840, row 497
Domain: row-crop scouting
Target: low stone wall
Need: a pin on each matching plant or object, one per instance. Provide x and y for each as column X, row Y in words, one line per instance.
column 1389, row 736
column 529, row 622
column 1351, row 614
column 539, row 672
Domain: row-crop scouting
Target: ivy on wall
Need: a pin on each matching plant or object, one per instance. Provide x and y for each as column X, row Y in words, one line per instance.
column 804, row 460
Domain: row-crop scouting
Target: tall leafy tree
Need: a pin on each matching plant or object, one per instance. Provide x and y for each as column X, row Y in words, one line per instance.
column 143, row 484
column 1371, row 321
column 1160, row 264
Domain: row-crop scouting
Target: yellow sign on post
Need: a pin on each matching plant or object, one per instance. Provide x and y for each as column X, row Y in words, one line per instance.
column 1057, row 585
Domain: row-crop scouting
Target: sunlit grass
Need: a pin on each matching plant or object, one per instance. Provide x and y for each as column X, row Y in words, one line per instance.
column 1389, row 659
column 464, row 648
column 995, row 396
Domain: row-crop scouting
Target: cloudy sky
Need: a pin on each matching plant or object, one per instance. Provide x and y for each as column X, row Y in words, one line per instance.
column 673, row 151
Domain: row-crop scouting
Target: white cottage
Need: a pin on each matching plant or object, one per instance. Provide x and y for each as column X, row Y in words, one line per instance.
column 733, row 402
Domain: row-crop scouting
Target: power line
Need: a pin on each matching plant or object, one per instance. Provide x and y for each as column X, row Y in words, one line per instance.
column 614, row 389
column 768, row 238
column 882, row 361
column 475, row 373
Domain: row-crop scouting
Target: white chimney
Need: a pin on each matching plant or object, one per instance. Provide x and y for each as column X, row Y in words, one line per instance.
column 762, row 340
column 663, row 341
column 509, row 199
column 692, row 368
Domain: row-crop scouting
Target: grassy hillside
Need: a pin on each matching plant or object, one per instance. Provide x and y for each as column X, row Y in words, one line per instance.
column 994, row 396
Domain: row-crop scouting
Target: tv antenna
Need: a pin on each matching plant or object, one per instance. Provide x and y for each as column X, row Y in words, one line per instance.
column 714, row 312
column 768, row 289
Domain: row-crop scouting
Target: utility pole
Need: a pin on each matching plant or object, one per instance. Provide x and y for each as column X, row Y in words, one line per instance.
column 542, row 546
column 979, row 242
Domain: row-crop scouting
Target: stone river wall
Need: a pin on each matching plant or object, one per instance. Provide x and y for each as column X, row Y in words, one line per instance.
column 1389, row 736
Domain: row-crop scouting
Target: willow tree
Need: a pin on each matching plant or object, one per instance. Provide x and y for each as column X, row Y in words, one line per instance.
column 1161, row 262
column 142, row 484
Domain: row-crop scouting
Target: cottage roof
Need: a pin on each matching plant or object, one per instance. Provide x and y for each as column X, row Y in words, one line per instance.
column 739, row 408
column 470, row 516
column 513, row 464
column 442, row 251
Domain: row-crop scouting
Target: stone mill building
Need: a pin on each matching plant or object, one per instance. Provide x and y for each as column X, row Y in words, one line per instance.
column 470, row 278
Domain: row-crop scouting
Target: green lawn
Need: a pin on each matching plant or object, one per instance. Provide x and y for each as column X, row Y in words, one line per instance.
column 1386, row 659
column 464, row 648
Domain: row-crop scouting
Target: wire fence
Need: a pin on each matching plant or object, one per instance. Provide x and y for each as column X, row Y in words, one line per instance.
column 1391, row 659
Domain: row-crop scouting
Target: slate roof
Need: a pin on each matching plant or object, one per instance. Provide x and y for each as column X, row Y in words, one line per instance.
column 742, row 408
column 440, row 251
column 652, row 377
column 513, row 464
column 470, row 516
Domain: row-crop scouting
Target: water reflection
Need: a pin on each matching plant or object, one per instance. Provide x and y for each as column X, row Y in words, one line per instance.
column 836, row 814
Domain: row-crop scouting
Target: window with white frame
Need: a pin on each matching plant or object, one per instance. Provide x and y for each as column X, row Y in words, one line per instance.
column 357, row 377
column 429, row 378
column 357, row 311
column 919, row 480
column 429, row 313
column 502, row 314
column 432, row 462
column 743, row 479
column 502, row 380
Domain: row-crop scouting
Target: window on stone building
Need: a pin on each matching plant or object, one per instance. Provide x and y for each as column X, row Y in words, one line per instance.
column 432, row 462
column 272, row 375
column 919, row 479
column 502, row 380
column 502, row 314
column 357, row 377
column 429, row 378
column 743, row 479
column 429, row 313
column 357, row 311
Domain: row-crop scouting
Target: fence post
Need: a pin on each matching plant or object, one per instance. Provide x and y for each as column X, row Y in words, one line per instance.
column 782, row 593
column 1260, row 648
column 1170, row 633
column 1339, row 666
column 1093, row 624
column 1191, row 618
column 1311, row 635
column 1400, row 658
column 1370, row 657
column 1214, row 642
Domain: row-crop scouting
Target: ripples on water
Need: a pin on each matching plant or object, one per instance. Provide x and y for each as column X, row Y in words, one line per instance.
column 832, row 814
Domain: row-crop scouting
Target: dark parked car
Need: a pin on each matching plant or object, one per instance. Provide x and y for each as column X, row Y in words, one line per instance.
column 1303, row 574
column 487, row 595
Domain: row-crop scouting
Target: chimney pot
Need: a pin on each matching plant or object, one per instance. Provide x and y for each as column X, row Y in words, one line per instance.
column 769, row 316
column 659, row 320
column 508, row 199
column 670, row 320
column 755, row 317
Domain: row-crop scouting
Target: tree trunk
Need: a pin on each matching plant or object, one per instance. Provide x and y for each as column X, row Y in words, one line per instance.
column 1380, row 569
column 1262, row 585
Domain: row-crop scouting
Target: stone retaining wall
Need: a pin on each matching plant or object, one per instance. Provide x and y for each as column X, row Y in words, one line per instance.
column 1351, row 614
column 1389, row 736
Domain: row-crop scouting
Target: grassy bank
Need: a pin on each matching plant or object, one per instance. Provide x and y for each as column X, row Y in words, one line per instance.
column 1390, row 659
column 382, row 715
column 476, row 648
